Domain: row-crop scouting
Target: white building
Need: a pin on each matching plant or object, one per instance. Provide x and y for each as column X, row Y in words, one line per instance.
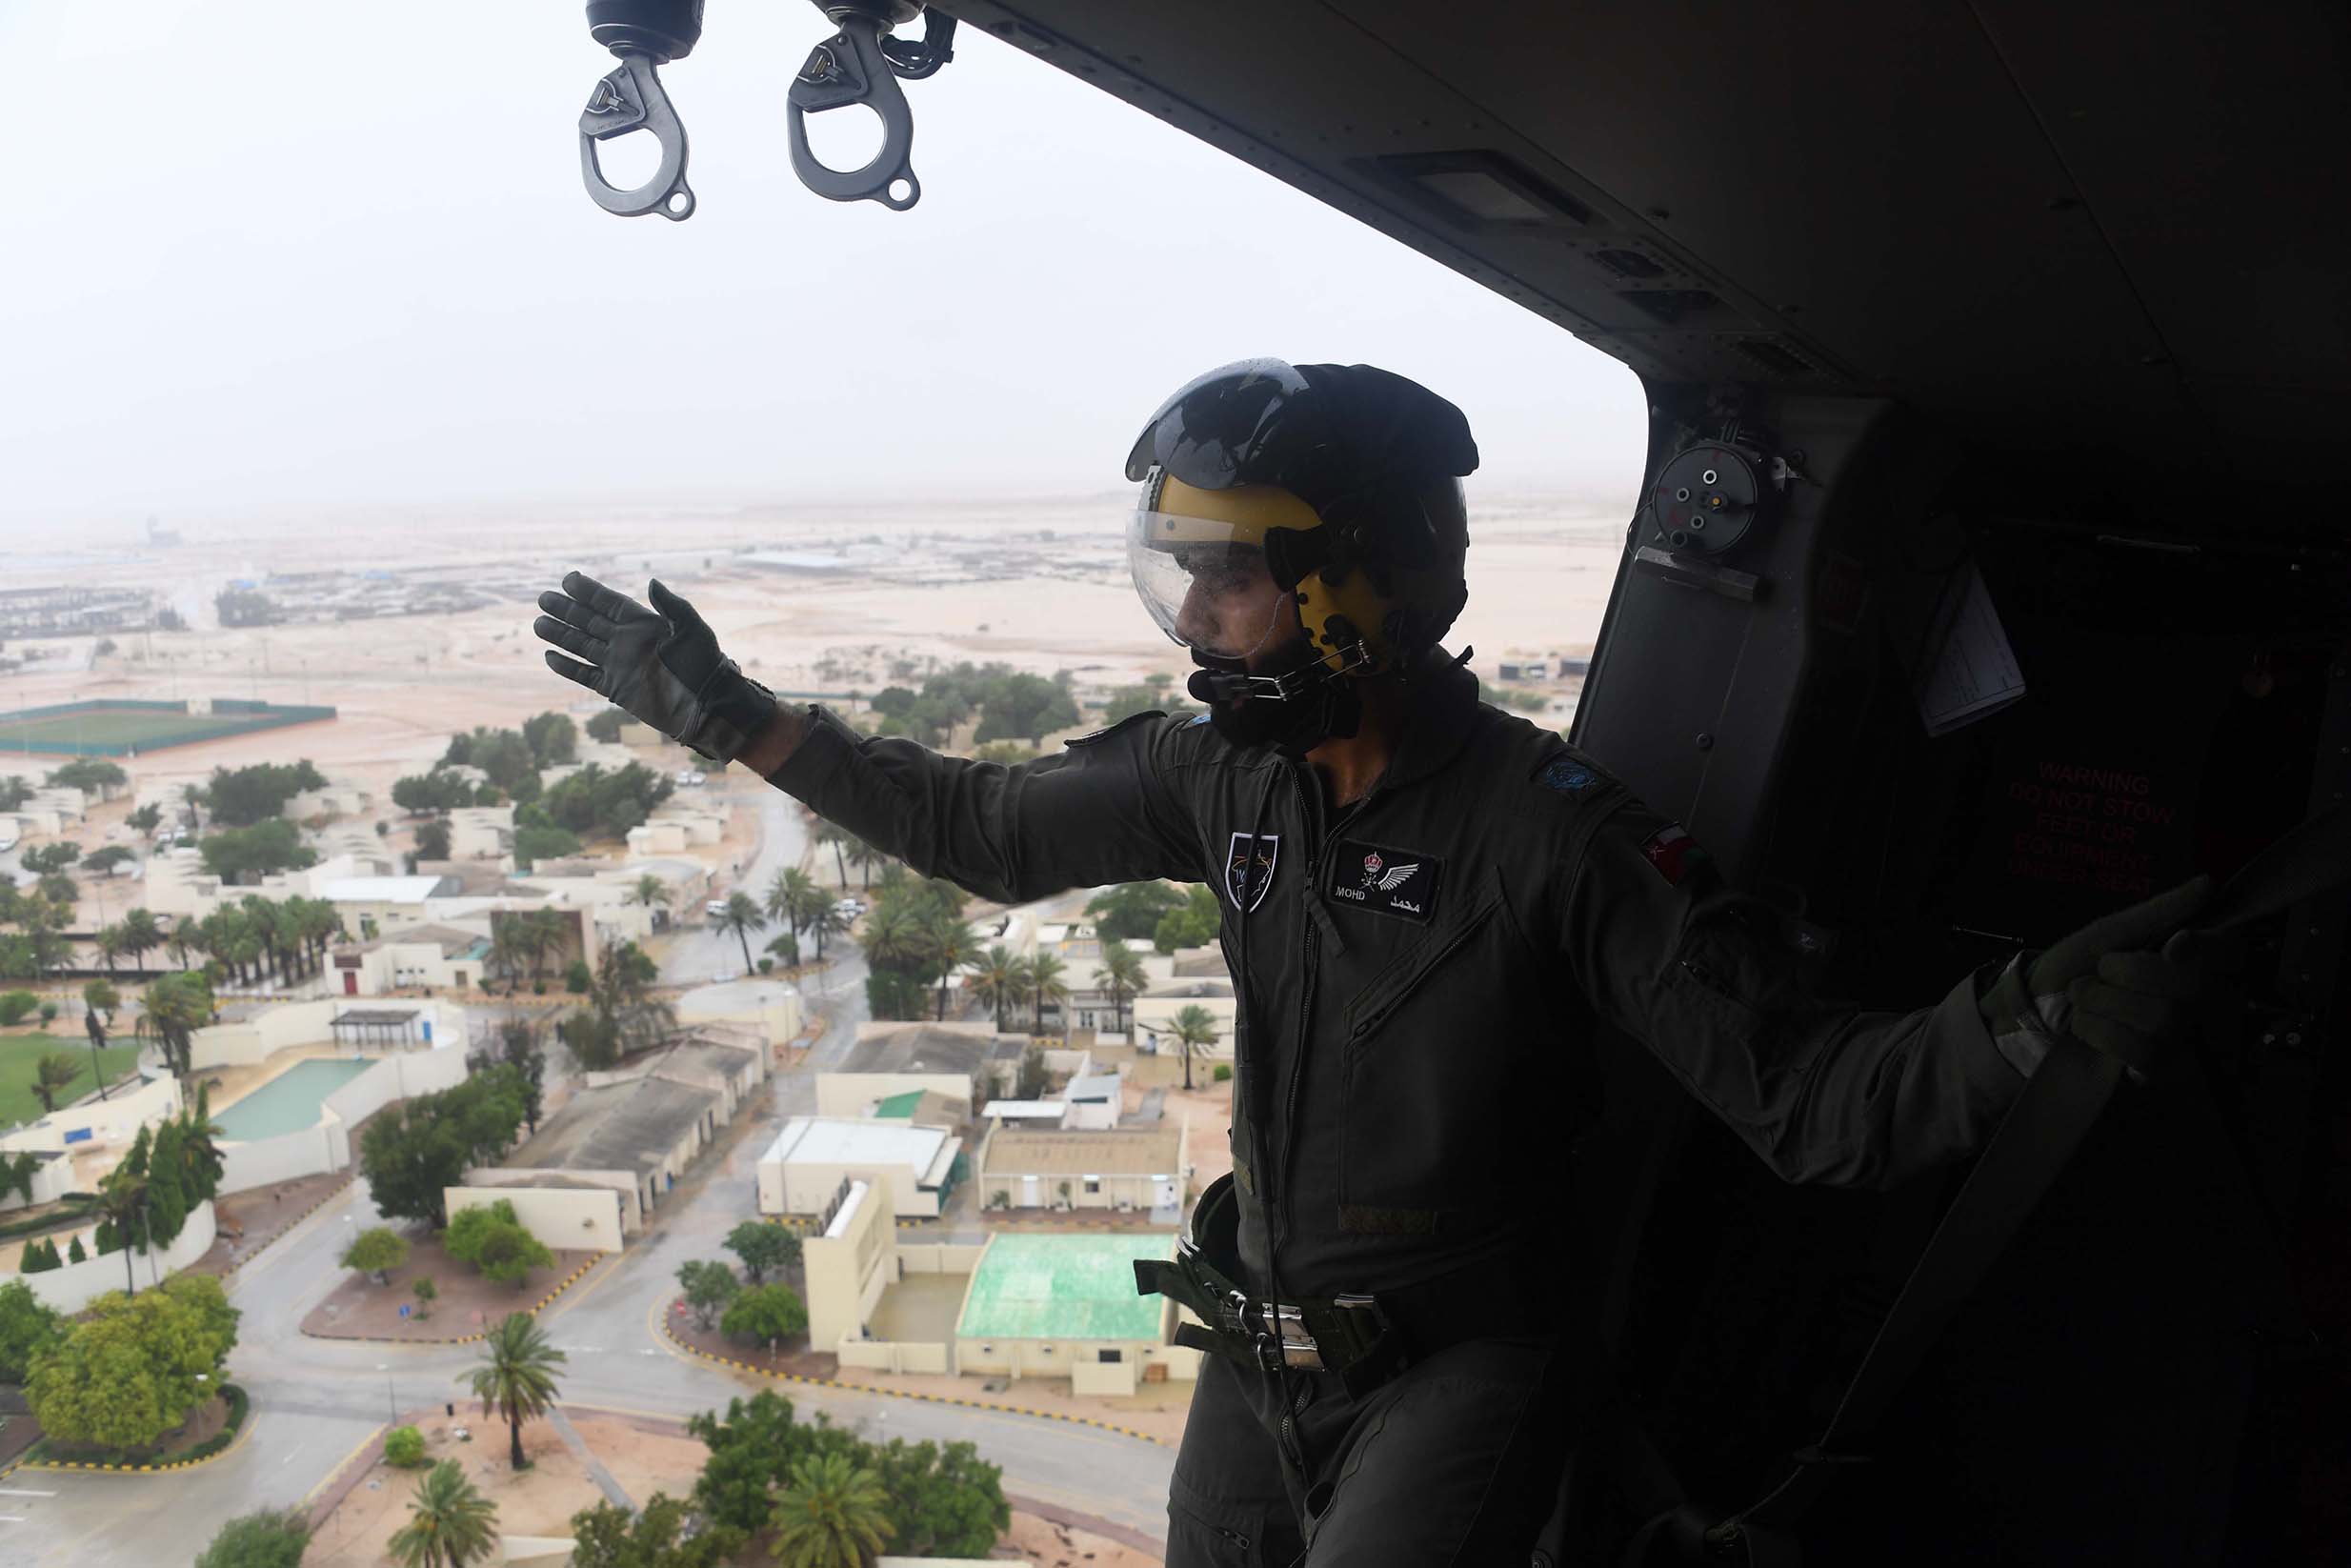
column 913, row 1167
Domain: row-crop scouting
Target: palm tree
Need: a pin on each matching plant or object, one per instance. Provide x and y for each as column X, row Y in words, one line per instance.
column 865, row 857
column 516, row 1377
column 831, row 1515
column 1195, row 1031
column 51, row 1073
column 893, row 938
column 1045, row 984
column 110, row 945
column 998, row 977
column 545, row 930
column 178, row 1005
column 743, row 915
column 141, row 936
column 450, row 1522
column 838, row 837
column 809, row 905
column 509, row 945
column 122, row 1205
column 1121, row 974
column 651, row 893
column 824, row 920
column 951, row 943
column 788, row 896
column 186, row 937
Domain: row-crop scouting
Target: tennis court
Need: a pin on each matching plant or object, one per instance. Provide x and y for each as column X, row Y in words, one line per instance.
column 290, row 1101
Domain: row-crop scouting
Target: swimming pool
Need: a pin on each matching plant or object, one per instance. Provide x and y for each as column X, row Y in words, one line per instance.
column 290, row 1101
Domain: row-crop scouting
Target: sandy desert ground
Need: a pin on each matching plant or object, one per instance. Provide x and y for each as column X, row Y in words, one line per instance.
column 844, row 592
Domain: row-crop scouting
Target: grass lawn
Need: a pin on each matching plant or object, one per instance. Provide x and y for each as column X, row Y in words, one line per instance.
column 20, row 1053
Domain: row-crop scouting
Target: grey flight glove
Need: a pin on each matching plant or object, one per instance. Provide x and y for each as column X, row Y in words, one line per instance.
column 2114, row 985
column 662, row 665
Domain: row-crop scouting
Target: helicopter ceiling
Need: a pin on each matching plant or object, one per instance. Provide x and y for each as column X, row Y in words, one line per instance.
column 2057, row 230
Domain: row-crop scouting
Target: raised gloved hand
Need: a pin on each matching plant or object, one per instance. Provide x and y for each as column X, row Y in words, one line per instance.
column 662, row 665
column 2109, row 985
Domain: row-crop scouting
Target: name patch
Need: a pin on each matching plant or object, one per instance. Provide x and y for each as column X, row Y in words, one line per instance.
column 1384, row 881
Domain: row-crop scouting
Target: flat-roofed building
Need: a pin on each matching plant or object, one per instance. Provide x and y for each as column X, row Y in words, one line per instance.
column 914, row 1168
column 1043, row 1306
column 647, row 1128
column 1125, row 1168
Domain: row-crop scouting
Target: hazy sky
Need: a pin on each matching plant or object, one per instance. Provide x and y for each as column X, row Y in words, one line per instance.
column 262, row 253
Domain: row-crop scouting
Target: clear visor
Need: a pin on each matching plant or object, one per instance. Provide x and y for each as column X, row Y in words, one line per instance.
column 1205, row 583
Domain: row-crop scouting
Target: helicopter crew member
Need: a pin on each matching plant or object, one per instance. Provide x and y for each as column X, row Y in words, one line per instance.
column 1428, row 904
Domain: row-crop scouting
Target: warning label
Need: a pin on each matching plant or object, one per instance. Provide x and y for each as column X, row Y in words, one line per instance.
column 2088, row 827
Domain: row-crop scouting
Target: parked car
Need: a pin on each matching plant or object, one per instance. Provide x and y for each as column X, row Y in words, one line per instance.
column 716, row 908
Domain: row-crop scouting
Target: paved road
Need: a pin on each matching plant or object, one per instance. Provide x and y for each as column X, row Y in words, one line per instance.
column 315, row 1401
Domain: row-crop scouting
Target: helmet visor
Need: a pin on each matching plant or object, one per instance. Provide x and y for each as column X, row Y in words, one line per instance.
column 1206, row 583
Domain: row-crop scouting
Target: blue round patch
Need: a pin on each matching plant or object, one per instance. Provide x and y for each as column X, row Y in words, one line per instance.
column 1569, row 776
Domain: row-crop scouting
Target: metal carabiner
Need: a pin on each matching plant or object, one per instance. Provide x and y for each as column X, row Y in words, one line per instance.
column 630, row 98
column 848, row 69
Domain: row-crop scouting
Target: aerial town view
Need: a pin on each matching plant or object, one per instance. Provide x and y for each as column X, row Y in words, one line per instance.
column 396, row 1026
column 1334, row 792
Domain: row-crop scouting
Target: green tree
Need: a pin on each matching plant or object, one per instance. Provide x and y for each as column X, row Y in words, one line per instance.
column 765, row 1313
column 177, row 1006
column 742, row 916
column 607, row 1536
column 432, row 841
column 272, row 1537
column 516, row 1378
column 146, row 818
column 99, row 862
column 404, row 1448
column 606, row 725
column 1045, row 983
column 440, row 789
column 89, row 775
column 554, row 738
column 1195, row 925
column 1121, row 974
column 833, row 1514
column 17, row 1005
column 537, row 841
column 749, row 1453
column 494, row 1241
column 377, row 1250
column 786, row 896
column 134, row 1367
column 449, row 1523
column 943, row 1502
column 16, row 1174
column 75, row 1253
column 412, row 1151
column 51, row 857
column 1195, row 1031
column 949, row 945
column 1032, row 1078
column 427, row 1292
column 709, row 1286
column 243, row 796
column 27, row 1328
column 59, row 889
column 51, row 1075
column 763, row 1248
column 39, row 1256
column 101, row 996
column 1131, row 911
column 245, row 856
column 167, row 1185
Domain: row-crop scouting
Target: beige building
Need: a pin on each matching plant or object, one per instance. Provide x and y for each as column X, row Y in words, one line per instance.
column 913, row 1167
column 635, row 1131
column 432, row 955
column 1123, row 1169
column 1046, row 1306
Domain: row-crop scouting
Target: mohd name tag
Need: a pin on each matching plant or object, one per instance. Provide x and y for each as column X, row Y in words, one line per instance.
column 1385, row 881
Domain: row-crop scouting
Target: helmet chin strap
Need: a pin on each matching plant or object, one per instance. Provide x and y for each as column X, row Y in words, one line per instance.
column 1297, row 708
